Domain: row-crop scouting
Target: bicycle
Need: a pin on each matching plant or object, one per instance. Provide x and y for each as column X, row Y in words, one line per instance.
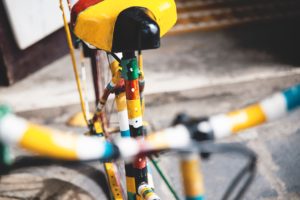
column 162, row 141
column 145, row 23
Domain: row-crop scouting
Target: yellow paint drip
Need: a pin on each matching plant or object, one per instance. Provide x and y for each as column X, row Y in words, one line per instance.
column 49, row 143
column 246, row 118
column 192, row 178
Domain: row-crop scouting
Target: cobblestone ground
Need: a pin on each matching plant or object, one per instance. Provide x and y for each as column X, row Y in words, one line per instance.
column 276, row 143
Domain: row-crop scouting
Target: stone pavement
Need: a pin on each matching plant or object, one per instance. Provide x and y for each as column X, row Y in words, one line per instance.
column 187, row 61
column 226, row 70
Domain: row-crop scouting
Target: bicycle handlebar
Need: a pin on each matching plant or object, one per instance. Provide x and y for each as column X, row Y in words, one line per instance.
column 52, row 143
column 269, row 109
column 49, row 142
column 70, row 146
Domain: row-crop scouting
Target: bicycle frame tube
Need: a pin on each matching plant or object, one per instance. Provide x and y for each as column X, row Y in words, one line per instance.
column 122, row 114
column 114, row 181
column 192, row 177
column 117, row 86
column 136, row 173
column 96, row 74
column 120, row 98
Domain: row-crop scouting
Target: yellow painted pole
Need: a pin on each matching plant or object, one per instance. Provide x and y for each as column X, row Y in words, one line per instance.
column 72, row 54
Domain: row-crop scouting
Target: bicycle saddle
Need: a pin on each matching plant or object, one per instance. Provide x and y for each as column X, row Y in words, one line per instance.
column 123, row 25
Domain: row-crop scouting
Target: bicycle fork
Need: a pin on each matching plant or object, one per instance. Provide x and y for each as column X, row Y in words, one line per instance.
column 192, row 176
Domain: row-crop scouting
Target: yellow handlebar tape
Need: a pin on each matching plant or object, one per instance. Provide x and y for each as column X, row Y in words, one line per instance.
column 52, row 143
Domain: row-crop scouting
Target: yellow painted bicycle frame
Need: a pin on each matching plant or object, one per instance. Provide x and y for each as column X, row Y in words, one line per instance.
column 95, row 25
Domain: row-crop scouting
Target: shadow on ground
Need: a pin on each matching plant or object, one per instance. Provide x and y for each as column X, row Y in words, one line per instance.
column 280, row 39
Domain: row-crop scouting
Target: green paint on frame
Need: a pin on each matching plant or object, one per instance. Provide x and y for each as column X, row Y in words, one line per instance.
column 130, row 69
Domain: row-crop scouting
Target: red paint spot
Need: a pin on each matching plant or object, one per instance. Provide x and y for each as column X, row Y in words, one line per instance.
column 80, row 6
column 132, row 90
column 140, row 163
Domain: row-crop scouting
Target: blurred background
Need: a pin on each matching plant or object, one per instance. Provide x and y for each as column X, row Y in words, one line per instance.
column 221, row 55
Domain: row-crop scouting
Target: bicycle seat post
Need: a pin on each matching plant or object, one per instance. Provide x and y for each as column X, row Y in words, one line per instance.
column 134, row 31
column 128, row 55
